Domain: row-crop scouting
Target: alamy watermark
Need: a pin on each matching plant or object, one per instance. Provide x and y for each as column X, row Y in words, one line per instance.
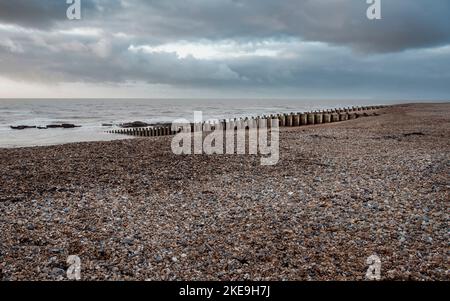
column 374, row 10
column 73, row 11
column 249, row 136
column 374, row 270
column 74, row 270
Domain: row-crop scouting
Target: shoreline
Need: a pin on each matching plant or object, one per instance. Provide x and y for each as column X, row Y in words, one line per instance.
column 114, row 137
column 132, row 210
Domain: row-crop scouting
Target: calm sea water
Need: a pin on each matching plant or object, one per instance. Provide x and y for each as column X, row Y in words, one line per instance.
column 91, row 113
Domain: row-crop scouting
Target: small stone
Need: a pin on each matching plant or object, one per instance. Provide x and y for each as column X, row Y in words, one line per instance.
column 128, row 241
column 58, row 272
column 56, row 250
column 158, row 258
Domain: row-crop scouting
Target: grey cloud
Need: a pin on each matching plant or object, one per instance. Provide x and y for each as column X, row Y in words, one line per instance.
column 31, row 13
column 44, row 14
column 355, row 56
column 406, row 23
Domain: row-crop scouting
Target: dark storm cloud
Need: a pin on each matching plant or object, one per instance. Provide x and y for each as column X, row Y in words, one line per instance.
column 36, row 13
column 326, row 46
column 405, row 24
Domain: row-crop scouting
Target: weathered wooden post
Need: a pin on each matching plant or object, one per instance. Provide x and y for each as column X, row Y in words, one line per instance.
column 269, row 121
column 303, row 119
column 289, row 120
column 318, row 118
column 237, row 124
column 253, row 123
column 311, row 118
column 282, row 120
column 334, row 117
column 326, row 118
column 296, row 121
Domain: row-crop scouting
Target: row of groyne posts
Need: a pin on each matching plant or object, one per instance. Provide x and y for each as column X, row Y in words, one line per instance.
column 285, row 120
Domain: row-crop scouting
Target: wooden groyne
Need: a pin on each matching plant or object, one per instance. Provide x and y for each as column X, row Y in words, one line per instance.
column 285, row 120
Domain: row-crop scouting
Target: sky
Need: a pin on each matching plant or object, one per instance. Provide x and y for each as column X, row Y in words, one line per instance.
column 306, row 49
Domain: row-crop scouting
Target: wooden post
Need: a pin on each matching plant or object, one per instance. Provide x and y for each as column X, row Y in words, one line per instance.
column 303, row 119
column 334, row 117
column 289, row 120
column 326, row 118
column 318, row 118
column 296, row 121
column 269, row 121
column 282, row 120
column 311, row 118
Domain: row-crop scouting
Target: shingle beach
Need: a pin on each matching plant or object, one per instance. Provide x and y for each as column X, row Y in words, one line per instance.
column 133, row 210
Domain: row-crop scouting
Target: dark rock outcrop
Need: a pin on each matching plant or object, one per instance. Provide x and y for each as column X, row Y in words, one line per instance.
column 50, row 126
column 135, row 124
column 64, row 126
column 22, row 127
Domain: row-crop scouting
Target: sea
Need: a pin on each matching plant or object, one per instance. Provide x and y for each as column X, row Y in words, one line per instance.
column 92, row 114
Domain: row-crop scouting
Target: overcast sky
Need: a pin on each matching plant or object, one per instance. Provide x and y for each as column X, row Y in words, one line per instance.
column 225, row 48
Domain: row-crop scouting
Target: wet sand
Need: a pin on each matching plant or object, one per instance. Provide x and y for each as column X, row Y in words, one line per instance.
column 131, row 209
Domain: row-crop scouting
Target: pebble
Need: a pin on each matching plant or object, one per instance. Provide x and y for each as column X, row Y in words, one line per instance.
column 118, row 206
